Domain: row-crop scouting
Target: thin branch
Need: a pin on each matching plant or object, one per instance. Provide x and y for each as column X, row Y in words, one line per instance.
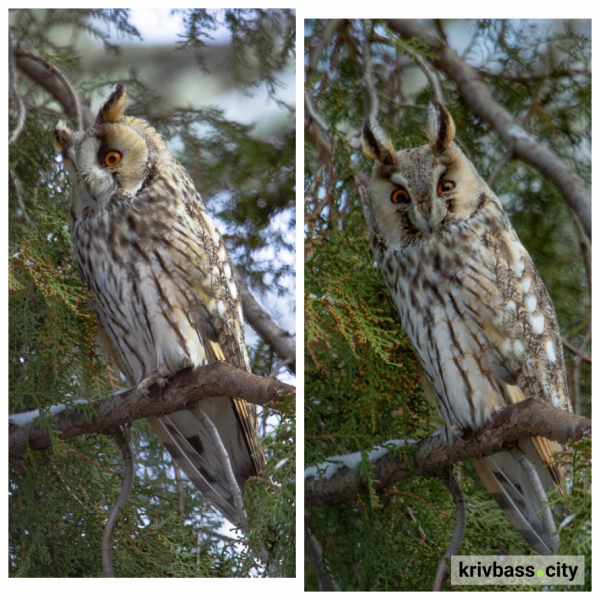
column 14, row 91
column 498, row 167
column 315, row 554
column 577, row 368
column 276, row 337
column 180, row 494
column 184, row 390
column 323, row 40
column 431, row 78
column 577, row 351
column 21, row 197
column 59, row 87
column 531, row 418
column 314, row 116
column 126, row 486
column 459, row 527
column 479, row 99
column 372, row 109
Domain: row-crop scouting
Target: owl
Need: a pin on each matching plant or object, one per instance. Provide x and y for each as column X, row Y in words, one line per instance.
column 472, row 304
column 164, row 287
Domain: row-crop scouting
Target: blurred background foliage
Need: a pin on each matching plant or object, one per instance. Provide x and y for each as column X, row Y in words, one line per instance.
column 219, row 86
column 362, row 386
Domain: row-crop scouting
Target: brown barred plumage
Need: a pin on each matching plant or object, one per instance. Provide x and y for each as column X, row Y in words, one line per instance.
column 472, row 303
column 165, row 289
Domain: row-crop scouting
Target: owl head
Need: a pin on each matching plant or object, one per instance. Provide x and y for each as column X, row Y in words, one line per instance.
column 113, row 159
column 420, row 193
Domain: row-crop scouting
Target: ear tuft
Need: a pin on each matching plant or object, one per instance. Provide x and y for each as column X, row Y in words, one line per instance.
column 376, row 144
column 62, row 137
column 113, row 106
column 441, row 127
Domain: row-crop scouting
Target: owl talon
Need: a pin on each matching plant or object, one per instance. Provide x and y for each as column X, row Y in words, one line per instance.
column 158, row 376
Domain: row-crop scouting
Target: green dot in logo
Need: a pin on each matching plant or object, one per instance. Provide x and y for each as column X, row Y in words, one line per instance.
column 540, row 573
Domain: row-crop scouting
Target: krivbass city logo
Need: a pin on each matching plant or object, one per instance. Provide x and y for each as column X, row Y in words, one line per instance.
column 517, row 570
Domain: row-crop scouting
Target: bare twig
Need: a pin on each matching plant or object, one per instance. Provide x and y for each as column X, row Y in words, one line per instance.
column 323, row 40
column 497, row 168
column 577, row 351
column 372, row 109
column 14, row 92
column 276, row 337
column 530, row 418
column 54, row 81
column 113, row 514
column 184, row 390
column 431, row 78
column 577, row 368
column 313, row 549
column 21, row 197
column 180, row 494
column 312, row 113
column 459, row 528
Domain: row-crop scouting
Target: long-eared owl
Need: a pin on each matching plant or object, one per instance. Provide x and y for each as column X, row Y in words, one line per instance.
column 472, row 303
column 164, row 287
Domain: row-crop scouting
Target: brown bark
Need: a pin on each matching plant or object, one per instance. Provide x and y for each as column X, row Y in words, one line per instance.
column 532, row 417
column 184, row 390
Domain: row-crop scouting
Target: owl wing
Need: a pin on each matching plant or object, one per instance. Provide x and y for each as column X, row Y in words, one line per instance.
column 220, row 324
column 526, row 336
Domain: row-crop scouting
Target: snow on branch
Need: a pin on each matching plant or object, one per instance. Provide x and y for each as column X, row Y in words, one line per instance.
column 340, row 478
column 186, row 389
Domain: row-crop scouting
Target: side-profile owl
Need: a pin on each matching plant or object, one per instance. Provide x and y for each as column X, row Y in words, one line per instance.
column 165, row 290
column 473, row 305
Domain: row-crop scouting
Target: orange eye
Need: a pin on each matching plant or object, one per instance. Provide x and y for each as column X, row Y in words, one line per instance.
column 445, row 186
column 399, row 195
column 112, row 158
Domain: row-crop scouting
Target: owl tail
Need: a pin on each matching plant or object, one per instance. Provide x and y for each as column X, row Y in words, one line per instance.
column 512, row 488
column 191, row 446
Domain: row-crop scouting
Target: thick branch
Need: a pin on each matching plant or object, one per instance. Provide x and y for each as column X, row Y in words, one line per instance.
column 532, row 417
column 479, row 99
column 184, row 390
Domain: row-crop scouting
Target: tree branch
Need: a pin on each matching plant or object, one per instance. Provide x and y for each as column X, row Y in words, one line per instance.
column 57, row 85
column 530, row 418
column 479, row 99
column 109, row 529
column 277, row 338
column 184, row 390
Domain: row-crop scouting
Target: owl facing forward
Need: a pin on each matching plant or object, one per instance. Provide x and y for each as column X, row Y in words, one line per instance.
column 165, row 291
column 473, row 305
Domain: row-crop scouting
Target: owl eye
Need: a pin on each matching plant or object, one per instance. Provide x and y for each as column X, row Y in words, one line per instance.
column 445, row 186
column 112, row 158
column 399, row 195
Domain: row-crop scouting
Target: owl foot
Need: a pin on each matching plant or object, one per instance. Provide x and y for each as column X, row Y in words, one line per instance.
column 159, row 376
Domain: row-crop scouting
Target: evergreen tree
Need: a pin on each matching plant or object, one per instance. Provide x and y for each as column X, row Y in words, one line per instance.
column 62, row 62
column 362, row 385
